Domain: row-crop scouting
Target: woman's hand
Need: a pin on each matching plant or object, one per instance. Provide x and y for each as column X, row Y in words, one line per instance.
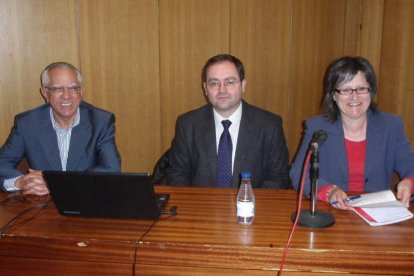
column 404, row 190
column 338, row 195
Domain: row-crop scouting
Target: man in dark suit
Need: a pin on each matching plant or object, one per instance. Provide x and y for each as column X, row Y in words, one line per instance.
column 63, row 134
column 253, row 138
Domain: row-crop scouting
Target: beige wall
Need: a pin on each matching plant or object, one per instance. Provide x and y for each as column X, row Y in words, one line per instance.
column 142, row 59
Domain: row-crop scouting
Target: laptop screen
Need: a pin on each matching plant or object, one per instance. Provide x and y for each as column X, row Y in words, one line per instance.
column 104, row 194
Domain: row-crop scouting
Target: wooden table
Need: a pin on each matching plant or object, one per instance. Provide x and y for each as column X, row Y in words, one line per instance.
column 204, row 239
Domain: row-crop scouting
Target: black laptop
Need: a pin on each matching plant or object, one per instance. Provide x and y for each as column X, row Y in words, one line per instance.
column 103, row 194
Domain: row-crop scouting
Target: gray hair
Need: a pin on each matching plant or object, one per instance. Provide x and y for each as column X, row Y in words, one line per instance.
column 45, row 78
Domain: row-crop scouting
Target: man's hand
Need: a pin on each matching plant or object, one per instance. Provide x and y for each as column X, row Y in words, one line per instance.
column 32, row 183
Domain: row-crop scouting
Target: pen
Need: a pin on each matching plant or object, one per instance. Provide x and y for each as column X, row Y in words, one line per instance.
column 348, row 199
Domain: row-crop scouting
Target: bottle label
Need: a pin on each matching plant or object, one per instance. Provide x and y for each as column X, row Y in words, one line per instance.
column 245, row 209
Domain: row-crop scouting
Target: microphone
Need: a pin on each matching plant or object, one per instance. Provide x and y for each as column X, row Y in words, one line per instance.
column 313, row 218
column 319, row 137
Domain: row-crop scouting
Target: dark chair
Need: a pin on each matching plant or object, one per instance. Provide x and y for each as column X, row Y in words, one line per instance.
column 158, row 175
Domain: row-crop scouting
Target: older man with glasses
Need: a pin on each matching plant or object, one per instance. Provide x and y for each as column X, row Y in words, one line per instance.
column 215, row 143
column 64, row 134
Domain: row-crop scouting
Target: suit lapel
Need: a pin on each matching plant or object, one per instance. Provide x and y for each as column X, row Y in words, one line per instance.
column 208, row 141
column 336, row 134
column 79, row 140
column 244, row 141
column 48, row 140
column 374, row 138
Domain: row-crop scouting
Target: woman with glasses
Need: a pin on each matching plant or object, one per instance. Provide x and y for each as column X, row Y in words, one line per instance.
column 363, row 145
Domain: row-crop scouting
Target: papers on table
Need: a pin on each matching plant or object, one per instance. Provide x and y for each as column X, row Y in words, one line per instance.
column 380, row 208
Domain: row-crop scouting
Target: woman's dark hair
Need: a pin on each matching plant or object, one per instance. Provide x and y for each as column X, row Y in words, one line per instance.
column 221, row 58
column 343, row 70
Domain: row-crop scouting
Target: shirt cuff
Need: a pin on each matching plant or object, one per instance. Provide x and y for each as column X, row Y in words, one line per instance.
column 324, row 191
column 8, row 184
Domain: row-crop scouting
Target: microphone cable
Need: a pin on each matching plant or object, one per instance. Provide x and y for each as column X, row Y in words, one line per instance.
column 285, row 251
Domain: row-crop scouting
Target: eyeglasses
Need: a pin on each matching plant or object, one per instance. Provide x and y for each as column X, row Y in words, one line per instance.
column 349, row 91
column 58, row 90
column 228, row 83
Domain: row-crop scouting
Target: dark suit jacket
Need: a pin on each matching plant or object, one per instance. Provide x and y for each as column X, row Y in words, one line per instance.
column 387, row 149
column 92, row 144
column 261, row 149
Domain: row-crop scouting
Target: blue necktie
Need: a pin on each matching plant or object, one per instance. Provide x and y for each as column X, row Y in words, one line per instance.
column 225, row 149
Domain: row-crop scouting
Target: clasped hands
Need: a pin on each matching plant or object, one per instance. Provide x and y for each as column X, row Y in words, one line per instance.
column 32, row 183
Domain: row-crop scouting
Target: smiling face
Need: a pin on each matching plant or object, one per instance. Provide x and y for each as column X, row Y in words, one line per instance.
column 227, row 96
column 354, row 106
column 64, row 94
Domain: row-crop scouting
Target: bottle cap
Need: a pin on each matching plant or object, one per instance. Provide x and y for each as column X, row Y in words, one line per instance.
column 245, row 174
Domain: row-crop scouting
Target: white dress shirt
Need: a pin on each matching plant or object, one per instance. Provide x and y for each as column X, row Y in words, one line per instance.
column 235, row 119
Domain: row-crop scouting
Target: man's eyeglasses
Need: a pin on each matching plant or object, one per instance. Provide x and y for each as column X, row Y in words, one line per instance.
column 228, row 83
column 349, row 91
column 58, row 90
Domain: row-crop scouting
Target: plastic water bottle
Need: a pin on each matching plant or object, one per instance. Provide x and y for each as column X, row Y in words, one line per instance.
column 245, row 200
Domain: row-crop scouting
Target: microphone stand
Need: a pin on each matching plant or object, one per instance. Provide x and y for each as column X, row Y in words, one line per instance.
column 313, row 218
column 314, row 174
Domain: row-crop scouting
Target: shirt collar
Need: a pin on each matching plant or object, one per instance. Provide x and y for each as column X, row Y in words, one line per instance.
column 234, row 118
column 55, row 124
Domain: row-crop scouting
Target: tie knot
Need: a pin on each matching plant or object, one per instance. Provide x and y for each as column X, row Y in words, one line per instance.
column 226, row 124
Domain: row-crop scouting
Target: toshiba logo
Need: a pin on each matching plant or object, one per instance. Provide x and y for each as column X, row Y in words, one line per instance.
column 71, row 212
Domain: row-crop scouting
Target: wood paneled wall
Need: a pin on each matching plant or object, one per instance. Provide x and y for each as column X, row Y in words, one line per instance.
column 32, row 35
column 142, row 59
column 120, row 60
column 396, row 76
